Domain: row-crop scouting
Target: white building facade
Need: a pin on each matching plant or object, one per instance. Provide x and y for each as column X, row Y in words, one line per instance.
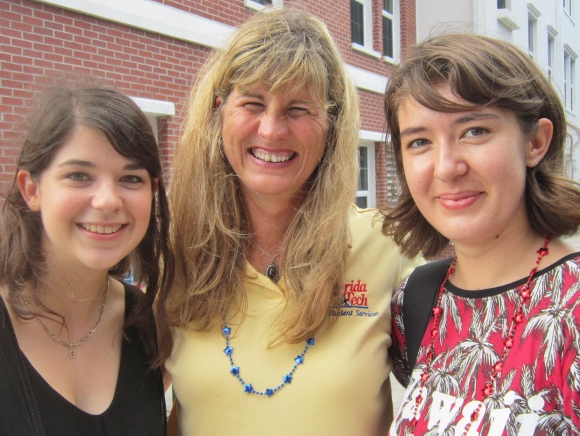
column 549, row 30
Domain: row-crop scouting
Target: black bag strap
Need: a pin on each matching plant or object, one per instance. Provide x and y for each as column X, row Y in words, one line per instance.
column 418, row 299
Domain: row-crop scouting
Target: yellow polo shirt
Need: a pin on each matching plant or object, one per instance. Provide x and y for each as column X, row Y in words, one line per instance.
column 342, row 388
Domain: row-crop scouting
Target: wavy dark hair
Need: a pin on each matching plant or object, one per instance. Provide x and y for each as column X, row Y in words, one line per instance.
column 59, row 110
column 484, row 72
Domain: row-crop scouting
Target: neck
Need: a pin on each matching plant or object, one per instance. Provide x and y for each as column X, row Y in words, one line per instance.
column 269, row 221
column 73, row 295
column 501, row 261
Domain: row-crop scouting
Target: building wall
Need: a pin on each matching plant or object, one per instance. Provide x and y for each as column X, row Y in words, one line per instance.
column 152, row 51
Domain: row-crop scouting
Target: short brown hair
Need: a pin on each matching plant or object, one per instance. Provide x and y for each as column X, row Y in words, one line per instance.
column 482, row 71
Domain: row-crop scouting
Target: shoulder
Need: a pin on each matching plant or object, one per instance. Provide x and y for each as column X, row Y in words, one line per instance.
column 366, row 224
column 369, row 245
column 132, row 296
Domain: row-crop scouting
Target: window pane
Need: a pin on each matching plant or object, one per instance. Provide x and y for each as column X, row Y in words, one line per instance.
column 362, row 202
column 550, row 56
column 363, row 178
column 356, row 22
column 388, row 6
column 501, row 4
column 387, row 37
column 531, row 36
column 264, row 2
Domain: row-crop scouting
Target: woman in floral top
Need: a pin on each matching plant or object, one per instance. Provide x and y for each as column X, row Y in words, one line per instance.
column 478, row 136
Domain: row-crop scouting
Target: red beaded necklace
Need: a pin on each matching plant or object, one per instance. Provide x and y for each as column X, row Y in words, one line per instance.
column 517, row 319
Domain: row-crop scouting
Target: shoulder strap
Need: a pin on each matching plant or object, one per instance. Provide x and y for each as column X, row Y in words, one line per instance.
column 418, row 300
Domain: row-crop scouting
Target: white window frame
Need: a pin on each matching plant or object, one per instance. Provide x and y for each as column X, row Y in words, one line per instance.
column 367, row 46
column 568, row 7
column 258, row 6
column 569, row 72
column 370, row 194
column 532, row 31
column 155, row 109
column 533, row 15
column 395, row 18
column 551, row 55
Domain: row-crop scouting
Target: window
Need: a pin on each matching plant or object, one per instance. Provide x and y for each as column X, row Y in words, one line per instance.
column 388, row 19
column 357, row 25
column 551, row 44
column 533, row 15
column 569, row 71
column 567, row 5
column 362, row 199
column 502, row 4
column 531, row 35
column 261, row 4
column 365, row 195
column 361, row 27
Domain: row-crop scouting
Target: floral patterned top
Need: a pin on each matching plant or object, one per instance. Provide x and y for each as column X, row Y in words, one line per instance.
column 538, row 391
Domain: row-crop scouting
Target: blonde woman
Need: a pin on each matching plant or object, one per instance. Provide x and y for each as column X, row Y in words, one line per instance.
column 280, row 309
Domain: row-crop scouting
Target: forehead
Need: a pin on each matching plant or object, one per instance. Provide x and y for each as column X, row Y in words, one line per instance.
column 292, row 93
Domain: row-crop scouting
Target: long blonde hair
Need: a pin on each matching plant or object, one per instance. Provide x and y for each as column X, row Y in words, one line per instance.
column 210, row 230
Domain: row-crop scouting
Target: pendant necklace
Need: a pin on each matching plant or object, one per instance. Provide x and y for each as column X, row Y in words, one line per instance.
column 272, row 270
column 71, row 352
column 518, row 318
column 248, row 388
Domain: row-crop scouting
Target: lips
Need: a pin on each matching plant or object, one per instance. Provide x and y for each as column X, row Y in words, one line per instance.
column 272, row 157
column 459, row 200
column 102, row 230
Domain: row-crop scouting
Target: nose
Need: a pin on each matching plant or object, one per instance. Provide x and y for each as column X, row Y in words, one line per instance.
column 107, row 198
column 449, row 162
column 273, row 127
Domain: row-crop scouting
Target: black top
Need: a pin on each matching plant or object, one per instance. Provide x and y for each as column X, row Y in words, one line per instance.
column 138, row 406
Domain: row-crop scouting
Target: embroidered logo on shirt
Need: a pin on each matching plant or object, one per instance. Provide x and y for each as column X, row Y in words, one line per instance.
column 355, row 301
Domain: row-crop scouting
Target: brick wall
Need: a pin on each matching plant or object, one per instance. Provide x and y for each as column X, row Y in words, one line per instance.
column 38, row 41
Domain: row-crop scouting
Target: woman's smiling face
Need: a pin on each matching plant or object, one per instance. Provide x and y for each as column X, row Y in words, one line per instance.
column 274, row 141
column 95, row 204
column 466, row 170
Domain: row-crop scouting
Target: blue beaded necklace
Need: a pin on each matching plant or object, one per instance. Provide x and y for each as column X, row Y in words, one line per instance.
column 248, row 388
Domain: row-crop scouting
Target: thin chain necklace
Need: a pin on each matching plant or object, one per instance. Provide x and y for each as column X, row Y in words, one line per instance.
column 71, row 353
column 518, row 318
column 272, row 270
column 248, row 388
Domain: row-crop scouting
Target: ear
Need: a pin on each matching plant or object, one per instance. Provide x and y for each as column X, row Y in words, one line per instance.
column 155, row 186
column 218, row 102
column 540, row 142
column 29, row 189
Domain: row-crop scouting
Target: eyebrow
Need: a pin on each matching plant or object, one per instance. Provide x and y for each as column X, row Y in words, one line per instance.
column 473, row 116
column 261, row 97
column 132, row 166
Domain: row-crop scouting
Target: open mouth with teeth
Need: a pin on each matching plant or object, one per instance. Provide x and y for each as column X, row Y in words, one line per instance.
column 103, row 230
column 272, row 157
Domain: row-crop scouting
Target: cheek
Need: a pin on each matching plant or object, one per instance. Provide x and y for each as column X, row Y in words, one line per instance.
column 416, row 174
column 142, row 212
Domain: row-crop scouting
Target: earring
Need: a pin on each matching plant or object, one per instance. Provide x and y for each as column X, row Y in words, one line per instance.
column 33, row 205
